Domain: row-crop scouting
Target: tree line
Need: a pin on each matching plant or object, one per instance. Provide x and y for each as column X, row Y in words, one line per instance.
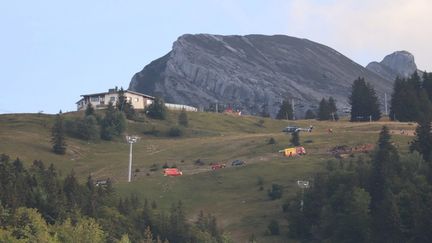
column 37, row 205
column 411, row 98
column 386, row 198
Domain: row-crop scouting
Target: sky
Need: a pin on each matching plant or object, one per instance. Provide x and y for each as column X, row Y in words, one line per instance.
column 51, row 52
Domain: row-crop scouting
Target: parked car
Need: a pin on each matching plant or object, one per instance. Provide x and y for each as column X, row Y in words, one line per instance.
column 172, row 172
column 218, row 166
column 237, row 162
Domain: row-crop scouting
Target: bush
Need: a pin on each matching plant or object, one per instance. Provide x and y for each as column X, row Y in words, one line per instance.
column 199, row 162
column 154, row 167
column 260, row 122
column 295, row 138
column 183, row 118
column 271, row 141
column 275, row 192
column 85, row 129
column 113, row 124
column 260, row 181
column 175, row 132
column 152, row 131
column 157, row 109
column 273, row 227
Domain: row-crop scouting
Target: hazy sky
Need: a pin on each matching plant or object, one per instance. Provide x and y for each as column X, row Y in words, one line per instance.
column 51, row 52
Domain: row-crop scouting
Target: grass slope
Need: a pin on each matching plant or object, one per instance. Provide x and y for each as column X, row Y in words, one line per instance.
column 232, row 194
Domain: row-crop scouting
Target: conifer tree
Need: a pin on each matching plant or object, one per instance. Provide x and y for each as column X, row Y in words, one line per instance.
column 90, row 111
column 364, row 102
column 323, row 110
column 398, row 102
column 410, row 100
column 58, row 135
column 183, row 118
column 124, row 105
column 157, row 109
column 309, row 114
column 385, row 215
column 285, row 111
column 113, row 124
column 423, row 140
column 427, row 84
column 295, row 138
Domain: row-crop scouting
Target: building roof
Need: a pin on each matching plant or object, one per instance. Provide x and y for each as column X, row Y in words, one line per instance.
column 126, row 91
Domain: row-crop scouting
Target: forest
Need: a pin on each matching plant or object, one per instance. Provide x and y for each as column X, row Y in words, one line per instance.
column 37, row 205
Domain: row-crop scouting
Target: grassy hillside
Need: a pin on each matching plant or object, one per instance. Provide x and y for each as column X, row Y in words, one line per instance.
column 232, row 194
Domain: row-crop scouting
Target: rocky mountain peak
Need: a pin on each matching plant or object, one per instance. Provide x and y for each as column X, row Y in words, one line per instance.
column 253, row 73
column 399, row 63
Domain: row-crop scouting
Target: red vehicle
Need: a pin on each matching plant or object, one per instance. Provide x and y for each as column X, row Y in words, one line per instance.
column 300, row 150
column 172, row 172
column 218, row 166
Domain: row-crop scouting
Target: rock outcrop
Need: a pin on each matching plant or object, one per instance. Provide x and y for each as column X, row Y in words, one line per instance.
column 253, row 73
column 398, row 64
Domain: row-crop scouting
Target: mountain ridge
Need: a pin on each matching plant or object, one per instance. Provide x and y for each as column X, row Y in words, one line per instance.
column 253, row 73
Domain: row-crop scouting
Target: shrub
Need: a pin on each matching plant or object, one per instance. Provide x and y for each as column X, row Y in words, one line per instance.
column 260, row 122
column 199, row 162
column 154, row 167
column 157, row 109
column 183, row 118
column 260, row 181
column 275, row 192
column 273, row 227
column 152, row 131
column 271, row 141
column 295, row 138
column 175, row 132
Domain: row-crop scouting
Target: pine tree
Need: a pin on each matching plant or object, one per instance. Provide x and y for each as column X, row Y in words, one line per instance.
column 309, row 114
column 397, row 100
column 385, row 217
column 72, row 191
column 410, row 99
column 285, row 111
column 113, row 124
column 183, row 118
column 427, row 84
column 423, row 140
column 364, row 102
column 88, row 128
column 324, row 110
column 373, row 104
column 295, row 138
column 58, row 135
column 124, row 105
column 90, row 111
column 157, row 109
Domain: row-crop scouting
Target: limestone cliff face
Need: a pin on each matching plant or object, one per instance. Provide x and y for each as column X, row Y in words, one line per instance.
column 253, row 72
column 399, row 63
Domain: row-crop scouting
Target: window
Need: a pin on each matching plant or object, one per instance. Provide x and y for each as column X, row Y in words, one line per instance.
column 112, row 99
column 94, row 99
